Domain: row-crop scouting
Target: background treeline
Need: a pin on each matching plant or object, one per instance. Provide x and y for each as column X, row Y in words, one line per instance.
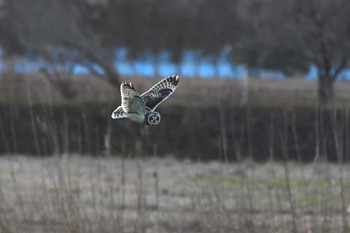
column 232, row 121
column 199, row 133
column 286, row 35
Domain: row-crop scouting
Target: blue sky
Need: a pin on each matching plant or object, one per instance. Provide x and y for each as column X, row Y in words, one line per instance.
column 207, row 66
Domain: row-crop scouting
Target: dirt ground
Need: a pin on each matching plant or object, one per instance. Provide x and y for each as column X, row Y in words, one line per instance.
column 72, row 193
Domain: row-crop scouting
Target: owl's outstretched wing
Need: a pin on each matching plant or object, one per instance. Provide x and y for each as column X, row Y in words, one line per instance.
column 131, row 100
column 119, row 113
column 160, row 91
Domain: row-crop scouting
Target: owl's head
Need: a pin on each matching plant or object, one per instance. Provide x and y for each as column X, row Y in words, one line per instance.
column 152, row 118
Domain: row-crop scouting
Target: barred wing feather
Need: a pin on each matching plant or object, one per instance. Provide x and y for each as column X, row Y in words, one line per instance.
column 119, row 113
column 160, row 91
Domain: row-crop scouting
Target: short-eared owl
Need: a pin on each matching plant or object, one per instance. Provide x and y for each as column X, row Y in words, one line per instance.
column 140, row 108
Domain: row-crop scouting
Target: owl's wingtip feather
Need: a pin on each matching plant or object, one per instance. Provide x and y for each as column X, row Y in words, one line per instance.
column 128, row 85
column 174, row 79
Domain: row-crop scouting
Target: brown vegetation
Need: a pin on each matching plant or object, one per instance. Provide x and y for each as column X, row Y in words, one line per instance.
column 22, row 88
column 203, row 120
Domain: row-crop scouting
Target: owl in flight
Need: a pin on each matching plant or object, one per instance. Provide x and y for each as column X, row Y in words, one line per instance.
column 140, row 108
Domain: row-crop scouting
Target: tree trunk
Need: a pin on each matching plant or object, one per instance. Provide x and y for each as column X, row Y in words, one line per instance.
column 325, row 88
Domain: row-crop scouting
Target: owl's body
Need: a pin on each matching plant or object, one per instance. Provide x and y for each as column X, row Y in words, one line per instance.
column 140, row 108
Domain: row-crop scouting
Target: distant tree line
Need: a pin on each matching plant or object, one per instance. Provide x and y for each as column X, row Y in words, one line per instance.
column 288, row 35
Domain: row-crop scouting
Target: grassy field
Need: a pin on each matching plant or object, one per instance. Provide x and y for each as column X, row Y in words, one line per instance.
column 82, row 194
column 75, row 193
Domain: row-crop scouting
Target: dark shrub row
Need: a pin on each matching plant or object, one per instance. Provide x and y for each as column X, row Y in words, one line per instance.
column 200, row 133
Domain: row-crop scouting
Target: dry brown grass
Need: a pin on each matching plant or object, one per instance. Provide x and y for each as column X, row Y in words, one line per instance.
column 18, row 87
column 194, row 91
column 72, row 193
column 84, row 194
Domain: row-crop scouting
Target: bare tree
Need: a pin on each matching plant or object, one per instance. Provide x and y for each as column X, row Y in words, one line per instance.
column 287, row 35
column 46, row 27
column 296, row 32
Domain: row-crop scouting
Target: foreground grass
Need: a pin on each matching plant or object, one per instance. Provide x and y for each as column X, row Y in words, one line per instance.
column 84, row 194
